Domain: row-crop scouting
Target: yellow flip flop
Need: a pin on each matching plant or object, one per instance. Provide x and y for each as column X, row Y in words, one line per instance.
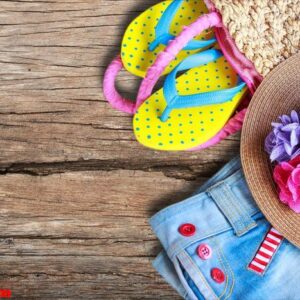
column 150, row 32
column 190, row 110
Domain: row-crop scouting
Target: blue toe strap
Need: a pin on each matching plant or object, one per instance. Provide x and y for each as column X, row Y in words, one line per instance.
column 175, row 101
column 162, row 30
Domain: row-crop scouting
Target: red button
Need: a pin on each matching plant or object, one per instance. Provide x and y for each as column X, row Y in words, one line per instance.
column 187, row 229
column 204, row 251
column 217, row 275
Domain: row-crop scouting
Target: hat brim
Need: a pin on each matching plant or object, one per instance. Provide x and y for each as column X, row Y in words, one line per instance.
column 278, row 94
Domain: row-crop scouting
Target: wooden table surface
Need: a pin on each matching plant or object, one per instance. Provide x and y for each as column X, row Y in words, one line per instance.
column 76, row 189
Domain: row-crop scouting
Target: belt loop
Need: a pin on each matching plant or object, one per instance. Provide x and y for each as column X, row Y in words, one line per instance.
column 231, row 207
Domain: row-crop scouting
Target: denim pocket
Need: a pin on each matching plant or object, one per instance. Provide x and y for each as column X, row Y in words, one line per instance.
column 191, row 284
column 196, row 271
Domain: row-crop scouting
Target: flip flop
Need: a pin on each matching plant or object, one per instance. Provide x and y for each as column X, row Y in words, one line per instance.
column 151, row 31
column 190, row 110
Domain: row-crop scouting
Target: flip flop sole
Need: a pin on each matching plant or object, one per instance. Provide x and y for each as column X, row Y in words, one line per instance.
column 140, row 33
column 189, row 127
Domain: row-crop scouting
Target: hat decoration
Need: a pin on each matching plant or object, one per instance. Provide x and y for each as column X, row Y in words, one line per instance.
column 283, row 146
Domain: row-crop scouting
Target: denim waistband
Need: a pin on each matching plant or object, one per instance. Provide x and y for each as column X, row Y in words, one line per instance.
column 222, row 203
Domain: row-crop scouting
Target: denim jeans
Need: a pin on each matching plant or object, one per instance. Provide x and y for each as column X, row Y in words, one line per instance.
column 211, row 240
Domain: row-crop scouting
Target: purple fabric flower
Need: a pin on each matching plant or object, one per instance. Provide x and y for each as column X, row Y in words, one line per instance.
column 283, row 143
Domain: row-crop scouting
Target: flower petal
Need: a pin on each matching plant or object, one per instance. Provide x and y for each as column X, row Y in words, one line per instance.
column 279, row 154
column 296, row 153
column 276, row 124
column 283, row 143
column 285, row 119
column 288, row 148
column 269, row 142
column 289, row 127
column 294, row 138
column 295, row 162
column 284, row 136
column 295, row 117
column 295, row 176
column 284, row 197
column 295, row 206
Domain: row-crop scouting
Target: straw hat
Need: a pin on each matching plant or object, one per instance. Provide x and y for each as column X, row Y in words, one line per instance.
column 278, row 94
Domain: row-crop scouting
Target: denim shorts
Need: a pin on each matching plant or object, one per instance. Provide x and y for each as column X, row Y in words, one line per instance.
column 218, row 245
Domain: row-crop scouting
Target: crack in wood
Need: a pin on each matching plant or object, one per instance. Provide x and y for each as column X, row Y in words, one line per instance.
column 176, row 171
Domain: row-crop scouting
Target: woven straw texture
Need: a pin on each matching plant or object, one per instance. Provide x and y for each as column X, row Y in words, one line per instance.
column 266, row 31
column 278, row 94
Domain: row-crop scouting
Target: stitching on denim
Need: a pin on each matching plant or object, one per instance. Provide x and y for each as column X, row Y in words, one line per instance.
column 226, row 266
column 241, row 220
column 176, row 247
column 228, row 177
column 195, row 267
column 238, row 212
column 216, row 246
column 186, row 264
column 250, row 226
column 224, row 211
column 242, row 215
column 235, row 213
column 223, row 208
column 246, row 229
column 157, row 262
column 248, row 221
column 179, row 272
column 232, row 276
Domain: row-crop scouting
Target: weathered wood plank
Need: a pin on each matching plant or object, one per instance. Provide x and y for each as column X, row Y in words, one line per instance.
column 85, row 228
column 86, row 204
column 55, row 277
column 79, row 231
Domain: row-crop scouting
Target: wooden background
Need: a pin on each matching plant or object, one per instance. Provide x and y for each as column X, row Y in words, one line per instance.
column 76, row 189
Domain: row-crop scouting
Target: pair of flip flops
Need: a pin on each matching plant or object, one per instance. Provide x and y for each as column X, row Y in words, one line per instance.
column 191, row 109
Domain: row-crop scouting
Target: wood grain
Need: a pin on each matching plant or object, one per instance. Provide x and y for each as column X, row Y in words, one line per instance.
column 76, row 189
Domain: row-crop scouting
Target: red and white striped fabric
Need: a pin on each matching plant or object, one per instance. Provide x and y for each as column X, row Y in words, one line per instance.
column 266, row 251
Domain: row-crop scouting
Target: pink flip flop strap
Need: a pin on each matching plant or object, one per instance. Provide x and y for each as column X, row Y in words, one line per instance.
column 109, row 90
